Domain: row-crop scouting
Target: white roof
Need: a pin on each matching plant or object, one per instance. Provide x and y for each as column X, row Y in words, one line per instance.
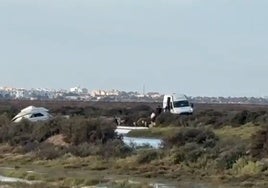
column 177, row 97
column 32, row 109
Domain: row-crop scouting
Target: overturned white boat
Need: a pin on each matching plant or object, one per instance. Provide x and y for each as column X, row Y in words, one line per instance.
column 33, row 114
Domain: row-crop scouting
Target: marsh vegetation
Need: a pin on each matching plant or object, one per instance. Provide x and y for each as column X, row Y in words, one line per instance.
column 218, row 144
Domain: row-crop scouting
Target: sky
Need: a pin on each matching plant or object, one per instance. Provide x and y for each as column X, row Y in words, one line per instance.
column 196, row 47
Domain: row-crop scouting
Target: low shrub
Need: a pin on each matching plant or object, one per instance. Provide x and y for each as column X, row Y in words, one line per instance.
column 30, row 147
column 259, row 144
column 146, row 156
column 190, row 152
column 78, row 130
column 84, row 149
column 229, row 157
column 85, row 136
column 20, row 133
column 243, row 167
column 44, row 130
column 87, row 111
column 115, row 148
column 210, row 117
column 246, row 116
column 140, row 111
column 48, row 151
column 199, row 136
column 166, row 119
column 25, row 131
column 4, row 120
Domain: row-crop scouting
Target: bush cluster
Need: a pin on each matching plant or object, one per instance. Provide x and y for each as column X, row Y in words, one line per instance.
column 147, row 155
column 191, row 145
column 228, row 157
column 114, row 148
column 211, row 117
column 259, row 144
column 246, row 116
column 48, row 151
column 189, row 152
column 76, row 130
column 84, row 136
column 216, row 119
column 88, row 111
column 200, row 136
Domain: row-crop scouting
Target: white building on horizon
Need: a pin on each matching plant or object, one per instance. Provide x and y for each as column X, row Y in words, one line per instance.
column 79, row 90
column 99, row 92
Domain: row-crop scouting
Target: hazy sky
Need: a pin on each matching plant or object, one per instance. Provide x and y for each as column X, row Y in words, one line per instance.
column 196, row 47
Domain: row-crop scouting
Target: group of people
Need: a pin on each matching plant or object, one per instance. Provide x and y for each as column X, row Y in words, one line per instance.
column 142, row 121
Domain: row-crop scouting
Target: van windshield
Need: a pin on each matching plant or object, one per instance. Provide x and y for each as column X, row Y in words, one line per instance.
column 181, row 104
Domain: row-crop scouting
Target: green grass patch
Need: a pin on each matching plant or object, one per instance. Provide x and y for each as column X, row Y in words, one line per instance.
column 22, row 174
column 243, row 132
column 155, row 132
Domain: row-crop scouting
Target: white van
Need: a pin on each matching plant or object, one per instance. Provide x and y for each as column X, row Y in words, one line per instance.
column 177, row 104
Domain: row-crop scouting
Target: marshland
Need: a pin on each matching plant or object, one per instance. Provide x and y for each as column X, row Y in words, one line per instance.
column 220, row 145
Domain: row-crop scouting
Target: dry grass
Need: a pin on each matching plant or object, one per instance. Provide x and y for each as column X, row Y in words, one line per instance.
column 57, row 140
column 243, row 132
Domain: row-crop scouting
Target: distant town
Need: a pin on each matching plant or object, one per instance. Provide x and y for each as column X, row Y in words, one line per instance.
column 83, row 94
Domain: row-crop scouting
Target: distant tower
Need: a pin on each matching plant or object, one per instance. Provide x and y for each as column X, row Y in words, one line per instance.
column 144, row 89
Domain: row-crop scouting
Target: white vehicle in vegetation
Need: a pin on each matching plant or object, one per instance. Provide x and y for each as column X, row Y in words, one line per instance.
column 33, row 114
column 177, row 104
